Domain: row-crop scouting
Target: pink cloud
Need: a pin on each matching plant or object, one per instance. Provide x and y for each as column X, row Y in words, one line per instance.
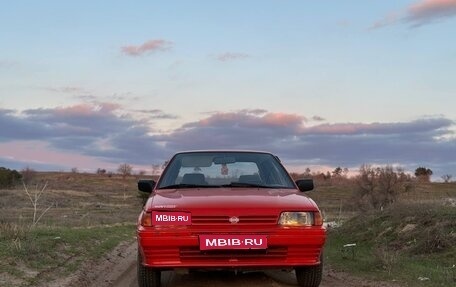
column 87, row 109
column 420, row 13
column 283, row 119
column 39, row 152
column 430, row 10
column 147, row 47
column 251, row 120
column 348, row 128
column 230, row 56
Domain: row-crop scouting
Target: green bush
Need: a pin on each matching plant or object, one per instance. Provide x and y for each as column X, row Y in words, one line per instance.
column 8, row 177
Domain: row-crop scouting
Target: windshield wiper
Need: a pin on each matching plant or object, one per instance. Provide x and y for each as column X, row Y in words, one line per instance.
column 187, row 185
column 248, row 184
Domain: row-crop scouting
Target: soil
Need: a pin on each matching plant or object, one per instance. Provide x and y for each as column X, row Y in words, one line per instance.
column 118, row 269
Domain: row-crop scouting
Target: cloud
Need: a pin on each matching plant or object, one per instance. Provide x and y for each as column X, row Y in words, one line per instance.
column 230, row 56
column 253, row 111
column 391, row 18
column 107, row 132
column 339, row 144
column 318, row 119
column 420, row 13
column 67, row 90
column 104, row 131
column 157, row 114
column 427, row 11
column 150, row 46
column 418, row 126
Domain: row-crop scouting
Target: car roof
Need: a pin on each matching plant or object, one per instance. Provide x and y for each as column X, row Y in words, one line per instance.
column 223, row 151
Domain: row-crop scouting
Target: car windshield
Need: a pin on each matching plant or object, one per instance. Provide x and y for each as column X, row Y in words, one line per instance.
column 224, row 169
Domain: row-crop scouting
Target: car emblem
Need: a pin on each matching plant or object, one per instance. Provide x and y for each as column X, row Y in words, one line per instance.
column 234, row 219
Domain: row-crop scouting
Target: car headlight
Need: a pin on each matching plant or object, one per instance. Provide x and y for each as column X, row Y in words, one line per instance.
column 296, row 219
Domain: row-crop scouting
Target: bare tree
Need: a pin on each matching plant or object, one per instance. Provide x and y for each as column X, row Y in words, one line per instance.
column 380, row 187
column 345, row 172
column 34, row 197
column 101, row 171
column 446, row 178
column 307, row 172
column 28, row 174
column 74, row 170
column 125, row 169
column 156, row 169
column 164, row 164
column 366, row 186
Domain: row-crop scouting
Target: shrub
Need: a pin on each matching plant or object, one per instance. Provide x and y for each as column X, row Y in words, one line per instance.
column 28, row 174
column 380, row 187
column 8, row 177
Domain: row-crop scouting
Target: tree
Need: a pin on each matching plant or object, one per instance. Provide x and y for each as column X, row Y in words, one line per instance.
column 165, row 163
column 34, row 197
column 156, row 169
column 101, row 171
column 307, row 172
column 423, row 174
column 345, row 172
column 124, row 169
column 337, row 172
column 8, row 177
column 28, row 174
column 380, row 187
column 327, row 175
column 446, row 178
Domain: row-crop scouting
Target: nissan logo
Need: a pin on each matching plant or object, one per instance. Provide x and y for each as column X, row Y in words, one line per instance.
column 234, row 219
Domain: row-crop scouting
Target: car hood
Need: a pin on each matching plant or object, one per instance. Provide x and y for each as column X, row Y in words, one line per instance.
column 248, row 199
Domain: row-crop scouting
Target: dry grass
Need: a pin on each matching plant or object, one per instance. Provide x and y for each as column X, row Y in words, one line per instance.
column 76, row 200
column 89, row 214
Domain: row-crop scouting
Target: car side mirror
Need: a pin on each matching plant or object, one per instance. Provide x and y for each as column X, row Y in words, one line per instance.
column 305, row 184
column 146, row 185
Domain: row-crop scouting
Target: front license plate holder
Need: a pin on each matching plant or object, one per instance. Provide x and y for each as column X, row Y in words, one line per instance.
column 233, row 241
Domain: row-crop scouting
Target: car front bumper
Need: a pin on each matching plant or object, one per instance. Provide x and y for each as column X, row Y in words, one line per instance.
column 286, row 248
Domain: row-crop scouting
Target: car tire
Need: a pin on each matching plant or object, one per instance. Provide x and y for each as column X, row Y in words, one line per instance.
column 147, row 277
column 310, row 276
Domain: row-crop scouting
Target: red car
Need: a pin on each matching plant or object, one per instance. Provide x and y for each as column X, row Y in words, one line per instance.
column 229, row 210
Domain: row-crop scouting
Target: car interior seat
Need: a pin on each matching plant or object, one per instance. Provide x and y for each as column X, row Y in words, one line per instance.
column 194, row 178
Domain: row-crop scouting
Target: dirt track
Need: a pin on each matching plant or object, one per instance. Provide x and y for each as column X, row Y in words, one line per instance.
column 118, row 269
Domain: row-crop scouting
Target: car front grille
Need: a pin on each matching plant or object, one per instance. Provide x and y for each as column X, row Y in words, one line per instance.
column 243, row 220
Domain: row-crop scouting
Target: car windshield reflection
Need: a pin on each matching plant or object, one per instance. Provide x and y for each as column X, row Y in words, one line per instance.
column 224, row 169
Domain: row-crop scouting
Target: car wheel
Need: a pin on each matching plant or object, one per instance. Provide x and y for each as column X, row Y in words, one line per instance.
column 147, row 277
column 310, row 276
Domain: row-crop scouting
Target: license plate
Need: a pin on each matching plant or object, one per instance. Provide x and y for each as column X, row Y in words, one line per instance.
column 171, row 218
column 232, row 241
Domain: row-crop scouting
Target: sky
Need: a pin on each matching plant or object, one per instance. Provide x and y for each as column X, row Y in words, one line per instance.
column 93, row 84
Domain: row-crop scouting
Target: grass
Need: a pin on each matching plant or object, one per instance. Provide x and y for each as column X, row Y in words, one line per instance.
column 402, row 243
column 90, row 216
column 41, row 250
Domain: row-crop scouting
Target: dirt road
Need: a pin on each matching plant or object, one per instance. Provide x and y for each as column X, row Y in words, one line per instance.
column 118, row 269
